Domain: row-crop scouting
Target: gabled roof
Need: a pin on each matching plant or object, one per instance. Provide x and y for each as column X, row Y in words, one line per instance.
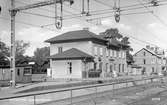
column 71, row 54
column 153, row 53
column 75, row 36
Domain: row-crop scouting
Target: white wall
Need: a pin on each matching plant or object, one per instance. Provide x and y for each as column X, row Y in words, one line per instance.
column 85, row 46
column 60, row 67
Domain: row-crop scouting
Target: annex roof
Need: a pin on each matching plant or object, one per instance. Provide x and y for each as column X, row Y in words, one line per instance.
column 71, row 54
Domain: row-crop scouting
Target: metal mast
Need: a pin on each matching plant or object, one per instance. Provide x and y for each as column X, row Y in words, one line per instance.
column 13, row 12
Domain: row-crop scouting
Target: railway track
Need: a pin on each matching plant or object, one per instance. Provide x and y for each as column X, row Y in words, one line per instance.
column 135, row 95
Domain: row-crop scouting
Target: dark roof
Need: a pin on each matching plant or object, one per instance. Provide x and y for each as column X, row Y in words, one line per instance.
column 20, row 65
column 149, row 52
column 75, row 36
column 71, row 54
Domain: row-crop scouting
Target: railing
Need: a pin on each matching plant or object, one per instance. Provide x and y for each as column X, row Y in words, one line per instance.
column 70, row 93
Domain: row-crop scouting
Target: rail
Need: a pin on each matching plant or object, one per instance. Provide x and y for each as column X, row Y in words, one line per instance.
column 71, row 89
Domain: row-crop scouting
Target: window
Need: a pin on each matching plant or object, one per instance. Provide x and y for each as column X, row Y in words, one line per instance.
column 111, row 55
column 117, row 52
column 122, row 67
column 144, row 61
column 120, row 53
column 101, row 51
column 100, row 65
column 107, row 52
column 153, row 69
column 153, row 61
column 106, row 67
column 69, row 67
column 95, row 65
column 18, row 72
column 119, row 68
column 114, row 66
column 111, row 70
column 60, row 49
column 27, row 71
column 95, row 50
column 113, row 52
column 144, row 53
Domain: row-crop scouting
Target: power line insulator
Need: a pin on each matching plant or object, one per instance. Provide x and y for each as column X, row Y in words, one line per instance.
column 88, row 14
column 117, row 15
column 59, row 24
column 154, row 2
column 71, row 2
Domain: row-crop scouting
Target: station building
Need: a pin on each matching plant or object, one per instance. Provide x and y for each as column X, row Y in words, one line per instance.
column 83, row 54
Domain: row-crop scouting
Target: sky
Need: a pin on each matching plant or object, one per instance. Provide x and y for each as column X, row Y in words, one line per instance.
column 143, row 29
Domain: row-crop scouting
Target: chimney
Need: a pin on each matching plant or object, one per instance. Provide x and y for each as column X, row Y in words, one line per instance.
column 148, row 47
column 86, row 28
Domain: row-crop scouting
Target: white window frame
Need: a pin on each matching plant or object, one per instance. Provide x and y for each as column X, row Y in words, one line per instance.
column 107, row 52
column 120, row 53
column 115, row 53
column 111, row 53
column 95, row 50
column 101, row 51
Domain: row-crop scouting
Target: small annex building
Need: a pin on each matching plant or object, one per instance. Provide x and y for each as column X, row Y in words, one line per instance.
column 23, row 73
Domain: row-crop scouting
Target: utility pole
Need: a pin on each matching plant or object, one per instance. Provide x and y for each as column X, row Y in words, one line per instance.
column 13, row 12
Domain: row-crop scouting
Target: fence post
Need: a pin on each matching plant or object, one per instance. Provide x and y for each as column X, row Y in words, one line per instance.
column 34, row 100
column 71, row 96
column 95, row 94
column 113, row 89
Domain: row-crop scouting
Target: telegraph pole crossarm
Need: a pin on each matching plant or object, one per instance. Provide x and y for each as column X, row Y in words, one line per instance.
column 41, row 4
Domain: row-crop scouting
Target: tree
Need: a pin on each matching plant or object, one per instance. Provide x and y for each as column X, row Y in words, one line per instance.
column 41, row 60
column 4, row 54
column 21, row 47
column 129, row 57
column 112, row 33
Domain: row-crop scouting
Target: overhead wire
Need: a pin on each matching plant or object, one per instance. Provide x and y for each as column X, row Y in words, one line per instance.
column 54, row 30
column 157, row 17
column 79, row 15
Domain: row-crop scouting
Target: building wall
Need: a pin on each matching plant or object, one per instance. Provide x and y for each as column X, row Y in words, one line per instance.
column 96, row 50
column 109, row 66
column 84, row 46
column 60, row 69
column 152, row 62
column 5, row 74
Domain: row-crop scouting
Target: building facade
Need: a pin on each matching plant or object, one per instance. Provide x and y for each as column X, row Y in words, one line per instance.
column 150, row 62
column 23, row 73
column 75, row 54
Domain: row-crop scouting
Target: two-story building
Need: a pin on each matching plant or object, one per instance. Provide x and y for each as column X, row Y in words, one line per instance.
column 74, row 54
column 150, row 62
